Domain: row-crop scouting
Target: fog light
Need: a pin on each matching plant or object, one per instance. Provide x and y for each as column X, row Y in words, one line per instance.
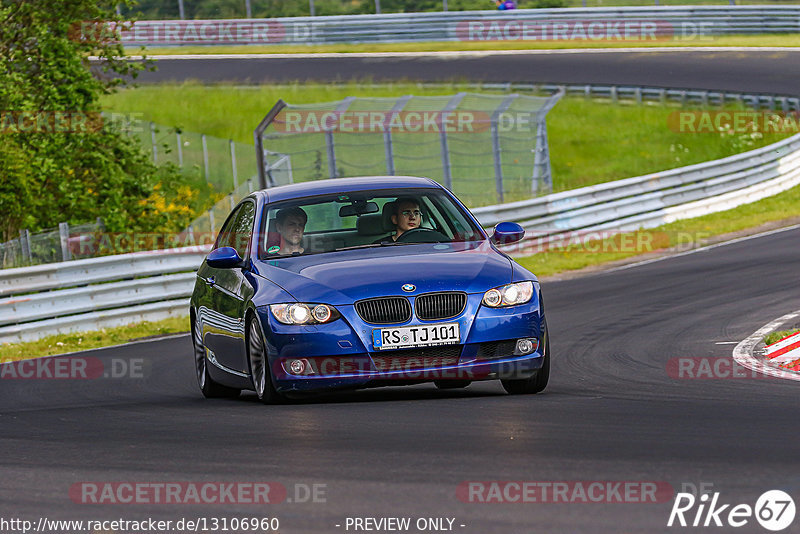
column 526, row 345
column 296, row 366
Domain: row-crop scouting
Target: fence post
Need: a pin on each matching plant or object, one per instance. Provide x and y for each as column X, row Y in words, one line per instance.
column 63, row 234
column 498, row 163
column 452, row 105
column 541, row 156
column 233, row 165
column 248, row 9
column 205, row 155
column 211, row 220
column 387, row 133
column 153, row 142
column 329, row 144
column 25, row 245
column 180, row 148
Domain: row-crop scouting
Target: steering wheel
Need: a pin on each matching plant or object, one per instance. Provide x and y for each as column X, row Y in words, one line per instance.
column 421, row 235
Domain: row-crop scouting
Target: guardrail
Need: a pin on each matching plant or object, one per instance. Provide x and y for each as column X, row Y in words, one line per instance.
column 66, row 297
column 651, row 23
column 109, row 291
column 655, row 199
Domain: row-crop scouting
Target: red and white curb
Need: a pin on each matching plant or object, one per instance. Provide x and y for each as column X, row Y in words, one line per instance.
column 743, row 352
column 784, row 352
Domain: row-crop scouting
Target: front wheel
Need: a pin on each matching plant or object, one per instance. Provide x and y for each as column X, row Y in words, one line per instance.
column 535, row 383
column 259, row 365
column 209, row 388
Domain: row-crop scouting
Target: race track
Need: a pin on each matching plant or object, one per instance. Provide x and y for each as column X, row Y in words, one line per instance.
column 611, row 413
column 760, row 71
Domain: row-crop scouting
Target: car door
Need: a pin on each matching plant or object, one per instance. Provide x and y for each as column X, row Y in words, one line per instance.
column 225, row 335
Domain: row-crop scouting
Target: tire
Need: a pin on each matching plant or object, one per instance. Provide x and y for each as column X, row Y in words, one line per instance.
column 209, row 388
column 537, row 382
column 260, row 373
column 452, row 384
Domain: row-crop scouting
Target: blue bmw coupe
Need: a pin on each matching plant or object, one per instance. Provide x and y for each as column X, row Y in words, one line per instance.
column 362, row 282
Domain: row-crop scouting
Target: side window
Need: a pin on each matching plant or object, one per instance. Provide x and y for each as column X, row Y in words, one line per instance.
column 243, row 228
column 224, row 239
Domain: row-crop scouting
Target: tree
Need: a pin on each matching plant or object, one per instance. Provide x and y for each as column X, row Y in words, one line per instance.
column 58, row 161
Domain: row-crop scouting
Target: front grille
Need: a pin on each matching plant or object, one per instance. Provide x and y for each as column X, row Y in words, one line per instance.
column 411, row 359
column 386, row 310
column 492, row 350
column 434, row 306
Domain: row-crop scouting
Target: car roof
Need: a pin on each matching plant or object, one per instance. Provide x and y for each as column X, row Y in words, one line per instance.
column 343, row 185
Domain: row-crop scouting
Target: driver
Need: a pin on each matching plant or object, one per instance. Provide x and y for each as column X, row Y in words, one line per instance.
column 406, row 216
column 290, row 224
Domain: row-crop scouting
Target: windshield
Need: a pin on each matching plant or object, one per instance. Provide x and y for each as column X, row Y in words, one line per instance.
column 363, row 219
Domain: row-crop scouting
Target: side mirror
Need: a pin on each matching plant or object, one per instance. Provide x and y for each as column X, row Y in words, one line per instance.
column 224, row 258
column 507, row 232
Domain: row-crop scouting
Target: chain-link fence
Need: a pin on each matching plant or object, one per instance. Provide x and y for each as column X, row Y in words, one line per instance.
column 487, row 149
column 223, row 163
column 56, row 244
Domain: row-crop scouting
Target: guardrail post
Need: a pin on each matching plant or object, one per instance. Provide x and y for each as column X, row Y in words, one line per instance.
column 388, row 147
column 63, row 234
column 498, row 163
column 446, row 169
column 153, row 142
column 25, row 245
column 614, row 96
column 205, row 155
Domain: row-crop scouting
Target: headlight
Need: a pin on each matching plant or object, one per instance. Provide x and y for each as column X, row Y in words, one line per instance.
column 300, row 313
column 509, row 295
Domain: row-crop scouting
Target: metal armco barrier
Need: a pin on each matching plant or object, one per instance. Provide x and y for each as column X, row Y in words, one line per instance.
column 655, row 199
column 70, row 296
column 590, row 24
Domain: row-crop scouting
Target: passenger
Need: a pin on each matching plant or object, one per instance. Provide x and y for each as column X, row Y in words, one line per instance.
column 406, row 216
column 290, row 224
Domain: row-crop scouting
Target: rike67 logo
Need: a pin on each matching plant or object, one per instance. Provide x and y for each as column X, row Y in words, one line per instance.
column 774, row 510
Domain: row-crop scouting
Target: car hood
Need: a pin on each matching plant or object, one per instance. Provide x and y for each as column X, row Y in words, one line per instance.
column 343, row 277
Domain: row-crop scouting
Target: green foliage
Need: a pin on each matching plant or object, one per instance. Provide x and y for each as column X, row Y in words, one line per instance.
column 86, row 169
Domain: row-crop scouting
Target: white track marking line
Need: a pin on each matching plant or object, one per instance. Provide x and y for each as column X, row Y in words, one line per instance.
column 471, row 53
column 742, row 353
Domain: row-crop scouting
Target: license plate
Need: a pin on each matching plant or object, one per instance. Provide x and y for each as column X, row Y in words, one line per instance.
column 424, row 335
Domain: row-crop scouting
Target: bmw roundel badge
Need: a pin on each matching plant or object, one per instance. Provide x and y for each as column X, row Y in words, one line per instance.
column 409, row 287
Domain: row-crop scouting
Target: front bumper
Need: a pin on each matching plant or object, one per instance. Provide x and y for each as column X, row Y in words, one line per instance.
column 340, row 354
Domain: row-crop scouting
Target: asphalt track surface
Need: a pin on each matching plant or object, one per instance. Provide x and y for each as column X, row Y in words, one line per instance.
column 612, row 412
column 763, row 71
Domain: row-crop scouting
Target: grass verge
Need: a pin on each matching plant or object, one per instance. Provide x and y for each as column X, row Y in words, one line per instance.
column 590, row 142
column 64, row 343
column 765, row 40
column 777, row 336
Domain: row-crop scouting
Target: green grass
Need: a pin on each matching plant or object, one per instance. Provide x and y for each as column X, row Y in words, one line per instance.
column 777, row 336
column 590, row 142
column 770, row 40
column 61, row 344
column 680, row 233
